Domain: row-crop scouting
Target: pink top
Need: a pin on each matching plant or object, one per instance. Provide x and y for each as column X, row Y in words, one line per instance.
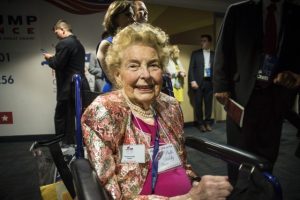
column 170, row 183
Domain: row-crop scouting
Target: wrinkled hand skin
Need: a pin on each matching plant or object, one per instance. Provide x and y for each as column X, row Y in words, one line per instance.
column 209, row 188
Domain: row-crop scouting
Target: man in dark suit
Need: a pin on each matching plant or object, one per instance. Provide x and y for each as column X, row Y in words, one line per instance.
column 200, row 78
column 257, row 64
column 68, row 60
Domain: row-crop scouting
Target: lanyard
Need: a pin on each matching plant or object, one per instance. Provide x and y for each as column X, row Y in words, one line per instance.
column 155, row 156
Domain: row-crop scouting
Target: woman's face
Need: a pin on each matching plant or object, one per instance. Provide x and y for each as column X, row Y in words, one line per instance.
column 140, row 74
column 125, row 18
column 176, row 53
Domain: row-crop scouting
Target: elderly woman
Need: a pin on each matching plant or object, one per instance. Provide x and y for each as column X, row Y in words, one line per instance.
column 134, row 135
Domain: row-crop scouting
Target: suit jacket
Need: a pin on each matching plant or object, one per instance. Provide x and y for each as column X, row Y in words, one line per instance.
column 196, row 68
column 107, row 124
column 240, row 48
column 69, row 59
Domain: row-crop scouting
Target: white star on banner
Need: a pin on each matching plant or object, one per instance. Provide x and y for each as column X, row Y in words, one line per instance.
column 4, row 118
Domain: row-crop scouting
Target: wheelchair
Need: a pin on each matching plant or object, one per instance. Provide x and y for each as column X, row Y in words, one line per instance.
column 82, row 182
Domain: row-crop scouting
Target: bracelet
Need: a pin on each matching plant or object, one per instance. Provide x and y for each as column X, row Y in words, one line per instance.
column 196, row 178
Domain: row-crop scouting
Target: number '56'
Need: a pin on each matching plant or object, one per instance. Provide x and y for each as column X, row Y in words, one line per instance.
column 7, row 80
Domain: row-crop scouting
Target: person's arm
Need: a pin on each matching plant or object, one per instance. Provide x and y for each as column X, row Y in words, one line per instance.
column 94, row 67
column 100, row 141
column 181, row 72
column 101, row 54
column 224, row 59
column 60, row 59
column 171, row 68
column 191, row 77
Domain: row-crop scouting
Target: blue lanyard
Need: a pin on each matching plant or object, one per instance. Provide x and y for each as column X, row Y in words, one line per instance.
column 155, row 158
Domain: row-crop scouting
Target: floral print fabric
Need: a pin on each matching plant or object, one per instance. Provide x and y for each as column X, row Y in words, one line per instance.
column 107, row 125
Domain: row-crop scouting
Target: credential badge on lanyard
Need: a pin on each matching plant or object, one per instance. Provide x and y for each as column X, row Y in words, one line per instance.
column 268, row 68
column 167, row 157
column 133, row 153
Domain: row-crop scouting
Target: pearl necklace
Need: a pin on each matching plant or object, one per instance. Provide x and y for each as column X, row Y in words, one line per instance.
column 138, row 110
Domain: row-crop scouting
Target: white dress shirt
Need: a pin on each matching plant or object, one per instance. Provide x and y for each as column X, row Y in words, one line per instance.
column 206, row 53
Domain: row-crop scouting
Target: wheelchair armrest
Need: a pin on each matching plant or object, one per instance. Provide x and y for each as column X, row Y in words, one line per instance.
column 88, row 188
column 46, row 143
column 227, row 153
column 86, row 182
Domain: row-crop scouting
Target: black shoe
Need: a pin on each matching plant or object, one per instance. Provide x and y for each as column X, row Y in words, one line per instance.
column 202, row 128
column 208, row 127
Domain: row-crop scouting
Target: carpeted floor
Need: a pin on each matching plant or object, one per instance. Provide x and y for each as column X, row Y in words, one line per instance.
column 18, row 172
column 287, row 167
column 19, row 177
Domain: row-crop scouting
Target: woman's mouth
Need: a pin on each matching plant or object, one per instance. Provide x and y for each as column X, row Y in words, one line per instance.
column 145, row 87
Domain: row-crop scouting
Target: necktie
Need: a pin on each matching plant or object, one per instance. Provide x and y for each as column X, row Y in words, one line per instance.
column 270, row 37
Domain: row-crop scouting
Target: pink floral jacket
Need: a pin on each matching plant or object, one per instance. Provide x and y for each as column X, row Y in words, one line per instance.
column 107, row 125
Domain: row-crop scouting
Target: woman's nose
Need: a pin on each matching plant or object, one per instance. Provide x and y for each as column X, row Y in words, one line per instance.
column 145, row 72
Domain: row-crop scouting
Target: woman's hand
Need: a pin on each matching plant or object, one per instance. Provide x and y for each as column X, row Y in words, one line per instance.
column 181, row 74
column 210, row 188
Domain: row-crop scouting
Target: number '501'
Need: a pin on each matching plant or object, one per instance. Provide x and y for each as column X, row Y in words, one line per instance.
column 4, row 57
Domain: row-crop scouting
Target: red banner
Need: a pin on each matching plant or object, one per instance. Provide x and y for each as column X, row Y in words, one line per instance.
column 82, row 7
column 6, row 118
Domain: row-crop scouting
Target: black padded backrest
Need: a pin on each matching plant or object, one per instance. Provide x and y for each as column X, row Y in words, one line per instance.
column 86, row 181
column 88, row 97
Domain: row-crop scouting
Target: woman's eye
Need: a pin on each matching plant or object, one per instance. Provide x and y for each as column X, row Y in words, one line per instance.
column 155, row 66
column 133, row 67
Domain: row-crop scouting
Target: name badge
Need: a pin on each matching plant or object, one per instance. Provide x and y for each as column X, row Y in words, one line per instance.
column 167, row 157
column 266, row 72
column 134, row 153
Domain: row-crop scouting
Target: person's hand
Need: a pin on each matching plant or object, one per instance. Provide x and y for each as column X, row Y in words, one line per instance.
column 47, row 55
column 194, row 85
column 222, row 97
column 181, row 74
column 287, row 79
column 211, row 188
